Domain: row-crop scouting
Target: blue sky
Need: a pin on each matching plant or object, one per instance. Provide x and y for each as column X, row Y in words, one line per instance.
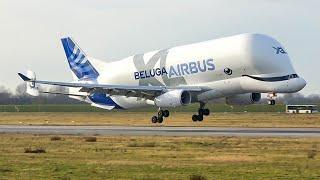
column 30, row 31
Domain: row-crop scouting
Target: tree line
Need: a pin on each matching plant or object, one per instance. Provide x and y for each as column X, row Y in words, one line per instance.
column 21, row 97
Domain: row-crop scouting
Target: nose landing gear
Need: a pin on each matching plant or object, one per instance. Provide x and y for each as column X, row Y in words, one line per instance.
column 161, row 115
column 271, row 98
column 201, row 112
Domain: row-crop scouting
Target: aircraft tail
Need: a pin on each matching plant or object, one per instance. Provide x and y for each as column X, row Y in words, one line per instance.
column 32, row 89
column 78, row 61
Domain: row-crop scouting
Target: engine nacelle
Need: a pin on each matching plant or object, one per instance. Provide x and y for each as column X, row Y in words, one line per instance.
column 243, row 99
column 173, row 98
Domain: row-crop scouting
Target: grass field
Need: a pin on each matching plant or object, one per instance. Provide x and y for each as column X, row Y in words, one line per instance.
column 157, row 157
column 175, row 119
column 122, row 157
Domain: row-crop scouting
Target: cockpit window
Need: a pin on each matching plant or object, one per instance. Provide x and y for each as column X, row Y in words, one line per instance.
column 291, row 76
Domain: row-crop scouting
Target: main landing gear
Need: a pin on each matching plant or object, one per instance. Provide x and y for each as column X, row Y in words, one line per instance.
column 161, row 115
column 196, row 117
column 271, row 98
column 201, row 112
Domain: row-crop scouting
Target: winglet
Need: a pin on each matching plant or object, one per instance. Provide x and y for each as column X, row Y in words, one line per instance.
column 23, row 77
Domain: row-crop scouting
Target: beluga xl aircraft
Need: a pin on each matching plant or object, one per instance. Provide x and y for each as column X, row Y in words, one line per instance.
column 238, row 68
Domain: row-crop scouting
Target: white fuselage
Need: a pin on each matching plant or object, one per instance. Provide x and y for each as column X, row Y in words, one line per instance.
column 223, row 65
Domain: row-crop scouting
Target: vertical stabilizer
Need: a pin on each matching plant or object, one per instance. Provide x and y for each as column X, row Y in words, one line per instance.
column 78, row 61
column 32, row 89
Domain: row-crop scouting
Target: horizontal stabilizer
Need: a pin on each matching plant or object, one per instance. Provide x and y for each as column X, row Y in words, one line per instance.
column 23, row 77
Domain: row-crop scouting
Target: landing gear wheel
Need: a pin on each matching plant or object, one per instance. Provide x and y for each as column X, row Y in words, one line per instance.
column 197, row 118
column 160, row 113
column 272, row 102
column 206, row 112
column 200, row 112
column 154, row 119
column 166, row 113
column 160, row 119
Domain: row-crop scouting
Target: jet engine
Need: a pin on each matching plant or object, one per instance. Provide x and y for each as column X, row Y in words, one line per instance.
column 173, row 98
column 243, row 99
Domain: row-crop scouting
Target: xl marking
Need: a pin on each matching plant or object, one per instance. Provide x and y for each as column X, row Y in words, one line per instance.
column 280, row 50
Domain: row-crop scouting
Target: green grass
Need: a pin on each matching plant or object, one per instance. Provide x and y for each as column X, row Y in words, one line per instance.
column 124, row 157
column 216, row 119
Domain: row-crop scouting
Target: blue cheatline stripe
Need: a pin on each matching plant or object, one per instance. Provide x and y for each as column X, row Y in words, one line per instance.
column 77, row 60
column 103, row 99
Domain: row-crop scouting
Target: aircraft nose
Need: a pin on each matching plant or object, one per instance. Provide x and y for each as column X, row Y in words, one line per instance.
column 301, row 83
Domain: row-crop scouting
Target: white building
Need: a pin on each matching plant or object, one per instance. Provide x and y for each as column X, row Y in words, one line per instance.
column 301, row 109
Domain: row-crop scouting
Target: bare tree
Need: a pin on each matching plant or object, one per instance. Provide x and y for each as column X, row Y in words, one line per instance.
column 21, row 90
column 5, row 96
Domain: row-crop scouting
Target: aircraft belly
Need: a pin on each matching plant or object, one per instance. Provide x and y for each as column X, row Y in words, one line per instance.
column 131, row 102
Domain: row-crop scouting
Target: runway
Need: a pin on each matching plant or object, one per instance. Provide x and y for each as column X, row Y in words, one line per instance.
column 159, row 130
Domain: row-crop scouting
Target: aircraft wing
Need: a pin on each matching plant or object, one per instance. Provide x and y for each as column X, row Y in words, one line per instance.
column 148, row 92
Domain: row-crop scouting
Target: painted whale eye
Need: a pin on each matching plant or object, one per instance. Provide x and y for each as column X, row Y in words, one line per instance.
column 228, row 71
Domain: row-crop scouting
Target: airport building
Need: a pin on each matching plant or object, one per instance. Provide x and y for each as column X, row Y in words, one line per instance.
column 301, row 109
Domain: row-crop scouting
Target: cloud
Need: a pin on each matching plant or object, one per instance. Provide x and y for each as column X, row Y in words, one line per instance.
column 30, row 30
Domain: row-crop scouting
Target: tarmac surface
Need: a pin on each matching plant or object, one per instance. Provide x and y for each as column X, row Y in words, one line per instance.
column 159, row 130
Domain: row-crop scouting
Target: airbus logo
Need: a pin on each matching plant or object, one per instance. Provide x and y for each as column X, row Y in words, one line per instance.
column 177, row 70
column 173, row 75
column 280, row 50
